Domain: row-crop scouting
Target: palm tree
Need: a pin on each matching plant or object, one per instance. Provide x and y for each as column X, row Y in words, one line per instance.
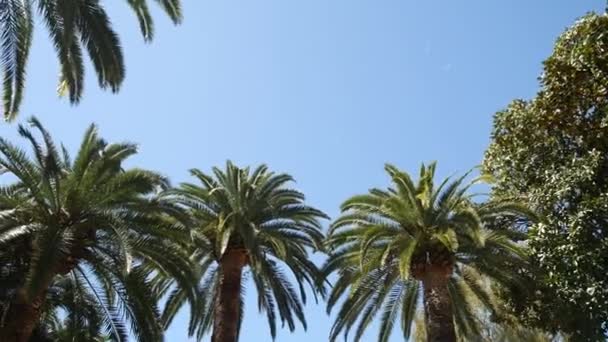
column 73, row 26
column 90, row 220
column 415, row 244
column 242, row 220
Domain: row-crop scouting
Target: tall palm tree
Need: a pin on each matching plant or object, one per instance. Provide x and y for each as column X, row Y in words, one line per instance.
column 414, row 244
column 90, row 220
column 73, row 26
column 248, row 220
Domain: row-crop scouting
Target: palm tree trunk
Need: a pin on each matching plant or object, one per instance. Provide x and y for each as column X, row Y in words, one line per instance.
column 438, row 307
column 228, row 302
column 23, row 316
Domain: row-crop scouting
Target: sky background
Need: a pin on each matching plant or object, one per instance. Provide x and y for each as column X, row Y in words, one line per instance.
column 327, row 91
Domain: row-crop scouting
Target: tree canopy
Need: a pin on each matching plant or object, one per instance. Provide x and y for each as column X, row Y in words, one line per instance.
column 552, row 152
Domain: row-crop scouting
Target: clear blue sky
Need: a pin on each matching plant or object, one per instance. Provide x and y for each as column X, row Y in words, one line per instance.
column 325, row 90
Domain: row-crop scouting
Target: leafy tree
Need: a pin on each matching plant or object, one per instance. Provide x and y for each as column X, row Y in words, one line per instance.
column 73, row 26
column 87, row 220
column 247, row 220
column 552, row 152
column 392, row 247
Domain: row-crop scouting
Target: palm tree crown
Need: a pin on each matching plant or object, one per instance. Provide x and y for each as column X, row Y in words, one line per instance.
column 73, row 26
column 88, row 220
column 415, row 244
column 242, row 219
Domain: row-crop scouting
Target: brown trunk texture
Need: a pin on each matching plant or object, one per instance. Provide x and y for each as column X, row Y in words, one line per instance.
column 437, row 305
column 24, row 314
column 228, row 304
column 22, row 318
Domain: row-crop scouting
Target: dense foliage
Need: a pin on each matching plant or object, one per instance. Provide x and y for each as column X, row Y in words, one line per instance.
column 552, row 152
column 73, row 26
